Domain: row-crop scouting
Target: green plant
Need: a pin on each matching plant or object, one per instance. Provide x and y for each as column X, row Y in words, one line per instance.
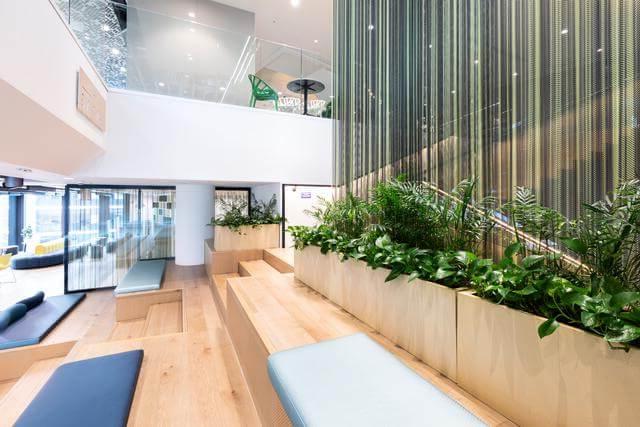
column 350, row 215
column 27, row 232
column 234, row 217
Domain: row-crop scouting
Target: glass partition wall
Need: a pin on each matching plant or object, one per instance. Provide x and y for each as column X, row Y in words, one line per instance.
column 138, row 49
column 109, row 229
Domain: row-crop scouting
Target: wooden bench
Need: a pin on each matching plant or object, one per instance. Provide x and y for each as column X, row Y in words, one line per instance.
column 274, row 313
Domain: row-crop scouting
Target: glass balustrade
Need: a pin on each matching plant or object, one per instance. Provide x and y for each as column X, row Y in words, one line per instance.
column 141, row 50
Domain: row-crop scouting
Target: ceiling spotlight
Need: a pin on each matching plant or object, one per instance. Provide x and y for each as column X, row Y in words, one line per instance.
column 115, row 52
column 222, row 88
column 105, row 27
column 161, row 84
column 515, row 74
column 316, row 41
column 371, row 27
column 453, row 92
column 295, row 3
column 599, row 50
column 564, row 32
column 476, row 62
column 191, row 14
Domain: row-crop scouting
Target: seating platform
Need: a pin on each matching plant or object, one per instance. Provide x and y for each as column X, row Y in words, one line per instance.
column 280, row 258
column 269, row 314
column 92, row 392
column 143, row 276
column 256, row 269
column 342, row 388
column 39, row 321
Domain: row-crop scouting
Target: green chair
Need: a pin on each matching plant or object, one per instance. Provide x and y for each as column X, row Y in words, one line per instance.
column 261, row 91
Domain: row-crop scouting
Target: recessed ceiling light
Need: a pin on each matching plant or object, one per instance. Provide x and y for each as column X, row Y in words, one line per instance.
column 295, row 3
column 316, row 41
column 430, row 46
column 161, row 84
column 105, row 27
column 25, row 170
column 476, row 62
column 191, row 14
column 371, row 27
column 115, row 51
column 515, row 74
column 565, row 31
column 453, row 92
column 599, row 50
column 222, row 88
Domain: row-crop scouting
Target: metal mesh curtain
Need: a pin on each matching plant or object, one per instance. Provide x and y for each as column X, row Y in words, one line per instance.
column 541, row 93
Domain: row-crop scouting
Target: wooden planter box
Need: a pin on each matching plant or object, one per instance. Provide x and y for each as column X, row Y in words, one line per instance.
column 418, row 316
column 259, row 237
column 570, row 378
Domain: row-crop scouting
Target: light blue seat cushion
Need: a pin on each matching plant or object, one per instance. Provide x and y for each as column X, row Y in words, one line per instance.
column 353, row 381
column 39, row 321
column 143, row 276
column 94, row 392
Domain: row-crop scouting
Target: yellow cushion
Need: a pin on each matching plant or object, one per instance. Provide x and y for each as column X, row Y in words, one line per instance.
column 52, row 246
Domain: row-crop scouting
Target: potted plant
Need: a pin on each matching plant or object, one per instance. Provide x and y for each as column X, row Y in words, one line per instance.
column 27, row 238
column 235, row 230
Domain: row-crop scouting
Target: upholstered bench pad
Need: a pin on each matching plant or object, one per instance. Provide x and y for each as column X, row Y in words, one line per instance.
column 94, row 392
column 353, row 381
column 143, row 276
column 39, row 321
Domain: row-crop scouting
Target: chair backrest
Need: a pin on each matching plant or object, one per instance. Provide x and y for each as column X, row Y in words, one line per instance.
column 5, row 261
column 257, row 83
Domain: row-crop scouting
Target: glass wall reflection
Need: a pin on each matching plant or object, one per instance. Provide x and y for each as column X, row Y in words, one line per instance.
column 109, row 229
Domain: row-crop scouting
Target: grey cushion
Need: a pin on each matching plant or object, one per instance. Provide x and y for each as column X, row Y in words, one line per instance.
column 353, row 381
column 94, row 392
column 33, row 301
column 39, row 321
column 11, row 315
column 143, row 276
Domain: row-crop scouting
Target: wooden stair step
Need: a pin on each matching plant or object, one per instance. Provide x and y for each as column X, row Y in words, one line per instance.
column 128, row 329
column 163, row 319
column 26, row 388
column 219, row 288
column 280, row 258
column 273, row 313
column 258, row 268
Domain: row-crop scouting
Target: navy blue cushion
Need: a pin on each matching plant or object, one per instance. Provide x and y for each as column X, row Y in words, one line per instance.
column 94, row 392
column 26, row 261
column 11, row 315
column 37, row 323
column 33, row 301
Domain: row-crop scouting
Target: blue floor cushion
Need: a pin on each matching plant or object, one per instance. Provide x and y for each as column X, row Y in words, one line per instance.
column 94, row 392
column 33, row 301
column 12, row 315
column 39, row 321
column 144, row 276
column 353, row 381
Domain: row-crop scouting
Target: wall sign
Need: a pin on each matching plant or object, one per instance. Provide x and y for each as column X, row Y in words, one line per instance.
column 89, row 102
column 305, row 195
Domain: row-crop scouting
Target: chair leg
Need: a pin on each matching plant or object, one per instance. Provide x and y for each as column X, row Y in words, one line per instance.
column 252, row 101
column 276, row 102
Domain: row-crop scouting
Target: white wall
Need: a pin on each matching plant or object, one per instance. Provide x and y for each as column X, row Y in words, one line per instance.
column 40, row 58
column 194, row 209
column 298, row 200
column 165, row 139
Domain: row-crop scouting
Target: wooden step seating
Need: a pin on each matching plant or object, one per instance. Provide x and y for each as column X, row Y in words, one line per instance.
column 187, row 378
column 257, row 268
column 272, row 313
column 280, row 258
column 25, row 389
column 219, row 289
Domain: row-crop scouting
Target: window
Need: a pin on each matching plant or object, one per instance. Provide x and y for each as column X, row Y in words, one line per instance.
column 43, row 212
column 4, row 220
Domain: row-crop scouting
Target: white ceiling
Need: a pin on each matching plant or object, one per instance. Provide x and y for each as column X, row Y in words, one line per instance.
column 278, row 20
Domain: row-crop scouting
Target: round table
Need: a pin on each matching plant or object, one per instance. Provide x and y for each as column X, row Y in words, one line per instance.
column 305, row 86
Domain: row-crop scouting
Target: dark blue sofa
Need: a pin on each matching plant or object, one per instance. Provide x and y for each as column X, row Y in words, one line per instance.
column 27, row 261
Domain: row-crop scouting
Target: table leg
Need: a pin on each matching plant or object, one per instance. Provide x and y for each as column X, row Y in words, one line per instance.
column 306, row 96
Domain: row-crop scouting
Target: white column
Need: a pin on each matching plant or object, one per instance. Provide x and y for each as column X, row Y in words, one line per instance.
column 194, row 209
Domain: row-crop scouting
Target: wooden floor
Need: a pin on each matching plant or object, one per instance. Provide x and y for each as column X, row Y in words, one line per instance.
column 188, row 378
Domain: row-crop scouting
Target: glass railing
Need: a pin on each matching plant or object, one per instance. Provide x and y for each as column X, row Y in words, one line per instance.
column 142, row 50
